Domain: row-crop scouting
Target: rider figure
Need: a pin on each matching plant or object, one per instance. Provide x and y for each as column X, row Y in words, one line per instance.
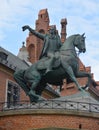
column 52, row 43
column 54, row 39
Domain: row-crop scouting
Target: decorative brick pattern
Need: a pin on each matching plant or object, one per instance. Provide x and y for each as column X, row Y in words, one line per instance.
column 28, row 120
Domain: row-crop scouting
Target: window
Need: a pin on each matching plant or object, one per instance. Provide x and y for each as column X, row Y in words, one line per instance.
column 13, row 94
column 41, row 15
column 3, row 56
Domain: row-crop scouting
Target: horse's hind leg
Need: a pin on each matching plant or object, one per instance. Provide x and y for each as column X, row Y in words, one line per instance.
column 19, row 78
column 69, row 71
column 33, row 78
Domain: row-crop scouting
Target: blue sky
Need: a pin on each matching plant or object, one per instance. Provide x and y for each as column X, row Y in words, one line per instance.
column 82, row 16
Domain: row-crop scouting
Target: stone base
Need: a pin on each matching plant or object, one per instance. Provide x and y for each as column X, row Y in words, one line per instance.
column 79, row 97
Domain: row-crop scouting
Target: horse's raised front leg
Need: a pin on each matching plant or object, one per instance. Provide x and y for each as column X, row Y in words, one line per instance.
column 84, row 74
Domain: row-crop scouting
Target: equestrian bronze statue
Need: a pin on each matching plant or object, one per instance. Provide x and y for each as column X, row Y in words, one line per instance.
column 57, row 62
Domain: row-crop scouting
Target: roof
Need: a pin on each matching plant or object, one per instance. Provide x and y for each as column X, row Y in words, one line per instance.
column 12, row 61
column 79, row 97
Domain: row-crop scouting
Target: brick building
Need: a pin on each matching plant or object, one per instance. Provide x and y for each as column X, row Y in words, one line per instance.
column 11, row 94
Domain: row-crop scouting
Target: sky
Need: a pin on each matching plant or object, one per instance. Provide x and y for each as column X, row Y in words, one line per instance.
column 82, row 17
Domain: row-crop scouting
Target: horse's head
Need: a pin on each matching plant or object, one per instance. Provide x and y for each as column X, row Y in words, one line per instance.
column 80, row 43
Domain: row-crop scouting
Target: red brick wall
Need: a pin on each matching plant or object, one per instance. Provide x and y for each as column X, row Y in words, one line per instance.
column 69, row 89
column 48, row 118
column 4, row 75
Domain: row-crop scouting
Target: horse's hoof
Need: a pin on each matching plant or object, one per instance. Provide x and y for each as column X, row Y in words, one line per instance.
column 31, row 92
column 81, row 89
column 33, row 97
column 41, row 99
column 85, row 87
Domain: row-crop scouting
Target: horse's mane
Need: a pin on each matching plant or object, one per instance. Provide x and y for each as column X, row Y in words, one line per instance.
column 72, row 36
column 68, row 40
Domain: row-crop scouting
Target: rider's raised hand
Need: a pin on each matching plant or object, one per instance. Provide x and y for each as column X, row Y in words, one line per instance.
column 25, row 27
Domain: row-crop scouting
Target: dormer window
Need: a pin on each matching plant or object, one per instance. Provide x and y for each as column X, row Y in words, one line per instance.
column 3, row 56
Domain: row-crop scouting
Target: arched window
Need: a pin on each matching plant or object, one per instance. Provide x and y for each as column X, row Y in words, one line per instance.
column 42, row 31
column 31, row 50
column 40, row 44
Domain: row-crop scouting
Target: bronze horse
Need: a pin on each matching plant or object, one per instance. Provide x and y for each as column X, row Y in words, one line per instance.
column 65, row 67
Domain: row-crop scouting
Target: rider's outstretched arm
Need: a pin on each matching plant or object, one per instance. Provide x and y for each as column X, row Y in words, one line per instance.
column 37, row 34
